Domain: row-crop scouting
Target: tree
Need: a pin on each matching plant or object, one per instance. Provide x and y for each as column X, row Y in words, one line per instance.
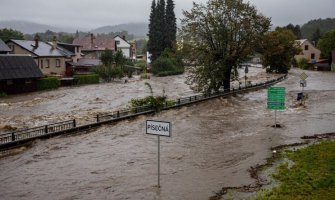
column 171, row 26
column 7, row 34
column 112, row 65
column 217, row 37
column 327, row 44
column 278, row 50
column 153, row 32
column 316, row 36
column 295, row 30
column 162, row 28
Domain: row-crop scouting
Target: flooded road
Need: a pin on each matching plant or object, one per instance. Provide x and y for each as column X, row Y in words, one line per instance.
column 213, row 145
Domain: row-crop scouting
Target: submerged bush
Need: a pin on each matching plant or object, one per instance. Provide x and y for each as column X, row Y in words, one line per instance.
column 87, row 79
column 48, row 83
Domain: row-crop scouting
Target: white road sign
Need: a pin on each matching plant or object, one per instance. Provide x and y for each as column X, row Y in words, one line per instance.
column 158, row 128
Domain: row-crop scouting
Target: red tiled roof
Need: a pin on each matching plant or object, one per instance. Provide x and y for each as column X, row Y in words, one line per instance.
column 99, row 43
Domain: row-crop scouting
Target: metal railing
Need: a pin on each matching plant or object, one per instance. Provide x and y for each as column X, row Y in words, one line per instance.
column 36, row 131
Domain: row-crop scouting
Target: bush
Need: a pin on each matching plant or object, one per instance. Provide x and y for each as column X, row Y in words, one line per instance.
column 48, row 83
column 87, row 79
column 303, row 63
column 157, row 102
column 167, row 66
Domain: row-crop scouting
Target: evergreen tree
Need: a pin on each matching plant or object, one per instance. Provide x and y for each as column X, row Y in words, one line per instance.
column 153, row 29
column 161, row 26
column 171, row 26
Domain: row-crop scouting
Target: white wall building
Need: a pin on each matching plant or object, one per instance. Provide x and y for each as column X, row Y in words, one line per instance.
column 123, row 45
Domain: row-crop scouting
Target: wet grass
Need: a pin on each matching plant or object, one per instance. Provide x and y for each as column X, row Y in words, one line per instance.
column 312, row 176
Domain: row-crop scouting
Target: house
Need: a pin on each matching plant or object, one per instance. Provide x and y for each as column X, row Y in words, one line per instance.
column 50, row 59
column 309, row 51
column 92, row 46
column 18, row 73
column 123, row 45
column 4, row 49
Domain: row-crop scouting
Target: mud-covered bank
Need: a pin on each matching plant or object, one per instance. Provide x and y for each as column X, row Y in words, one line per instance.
column 258, row 172
column 213, row 145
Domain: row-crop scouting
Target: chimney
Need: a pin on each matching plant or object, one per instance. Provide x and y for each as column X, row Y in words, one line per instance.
column 54, row 42
column 124, row 37
column 92, row 38
column 36, row 38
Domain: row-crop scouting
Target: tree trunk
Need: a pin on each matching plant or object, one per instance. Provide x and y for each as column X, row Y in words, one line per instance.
column 226, row 81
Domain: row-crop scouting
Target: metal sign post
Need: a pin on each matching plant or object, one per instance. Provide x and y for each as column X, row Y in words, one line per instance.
column 158, row 128
column 276, row 100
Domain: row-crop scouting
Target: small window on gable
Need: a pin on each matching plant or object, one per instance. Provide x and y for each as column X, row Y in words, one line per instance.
column 312, row 56
column 306, row 47
column 117, row 42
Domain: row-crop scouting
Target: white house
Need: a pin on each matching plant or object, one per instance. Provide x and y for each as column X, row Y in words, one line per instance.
column 123, row 45
column 309, row 51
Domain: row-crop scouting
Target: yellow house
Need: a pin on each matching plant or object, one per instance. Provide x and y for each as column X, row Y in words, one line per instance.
column 50, row 59
column 309, row 51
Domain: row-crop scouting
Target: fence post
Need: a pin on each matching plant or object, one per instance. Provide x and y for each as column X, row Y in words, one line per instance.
column 13, row 136
column 178, row 101
column 46, row 129
column 118, row 114
column 195, row 97
column 74, row 123
column 98, row 119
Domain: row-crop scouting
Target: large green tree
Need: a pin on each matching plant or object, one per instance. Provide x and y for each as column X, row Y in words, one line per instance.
column 171, row 26
column 6, row 34
column 112, row 65
column 162, row 27
column 327, row 44
column 278, row 50
column 217, row 37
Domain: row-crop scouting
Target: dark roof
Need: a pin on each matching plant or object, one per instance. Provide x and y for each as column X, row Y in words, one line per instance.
column 92, row 43
column 4, row 47
column 68, row 47
column 87, row 62
column 18, row 66
column 43, row 50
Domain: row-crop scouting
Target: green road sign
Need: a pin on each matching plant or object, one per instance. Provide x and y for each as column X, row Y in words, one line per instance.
column 276, row 98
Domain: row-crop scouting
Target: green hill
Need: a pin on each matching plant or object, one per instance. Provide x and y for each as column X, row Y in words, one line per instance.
column 325, row 25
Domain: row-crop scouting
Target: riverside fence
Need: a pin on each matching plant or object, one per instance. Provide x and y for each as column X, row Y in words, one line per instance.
column 21, row 136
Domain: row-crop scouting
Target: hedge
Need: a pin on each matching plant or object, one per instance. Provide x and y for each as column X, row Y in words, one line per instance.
column 48, row 83
column 87, row 79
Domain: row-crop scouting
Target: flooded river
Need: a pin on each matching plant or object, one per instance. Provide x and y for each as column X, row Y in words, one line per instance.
column 213, row 145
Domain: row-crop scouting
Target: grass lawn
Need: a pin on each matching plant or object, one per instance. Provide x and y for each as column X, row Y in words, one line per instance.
column 312, row 176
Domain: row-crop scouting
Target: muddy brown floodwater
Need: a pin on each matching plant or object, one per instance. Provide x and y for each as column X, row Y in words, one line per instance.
column 213, row 145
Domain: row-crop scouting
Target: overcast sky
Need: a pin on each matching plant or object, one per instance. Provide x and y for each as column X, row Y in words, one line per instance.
column 90, row 14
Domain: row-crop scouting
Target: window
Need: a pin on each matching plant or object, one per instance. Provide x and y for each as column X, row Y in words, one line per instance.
column 28, row 81
column 12, row 47
column 41, row 64
column 9, row 82
column 47, row 63
column 312, row 56
column 117, row 42
column 57, row 62
column 306, row 47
